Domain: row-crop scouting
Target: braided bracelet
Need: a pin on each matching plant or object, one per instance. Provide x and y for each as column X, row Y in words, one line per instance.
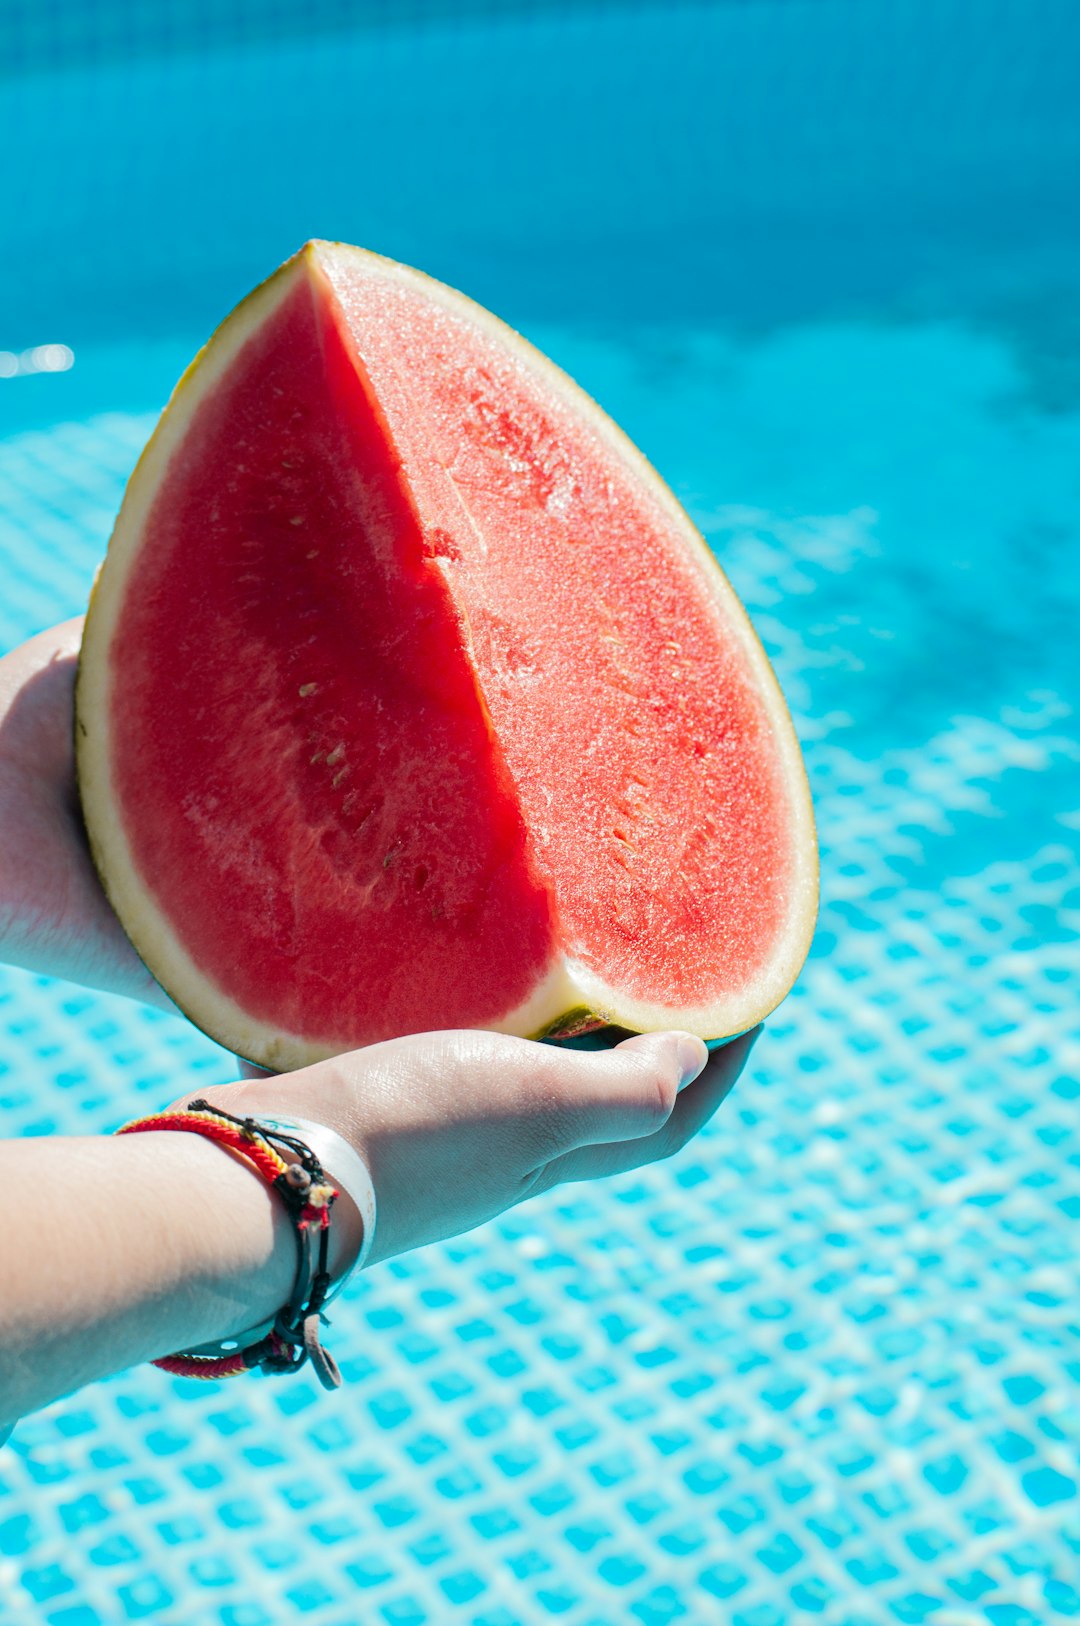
column 292, row 1336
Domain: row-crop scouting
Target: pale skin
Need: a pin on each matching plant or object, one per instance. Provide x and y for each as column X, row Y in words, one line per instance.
column 137, row 1246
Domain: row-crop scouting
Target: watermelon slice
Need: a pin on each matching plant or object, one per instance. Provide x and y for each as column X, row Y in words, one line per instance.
column 410, row 698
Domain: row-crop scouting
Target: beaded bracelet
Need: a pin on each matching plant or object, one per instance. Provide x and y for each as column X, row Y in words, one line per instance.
column 293, row 1336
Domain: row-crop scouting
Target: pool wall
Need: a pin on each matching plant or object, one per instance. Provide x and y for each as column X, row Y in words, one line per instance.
column 767, row 158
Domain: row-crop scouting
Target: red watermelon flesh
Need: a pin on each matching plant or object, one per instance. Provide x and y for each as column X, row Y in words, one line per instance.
column 411, row 699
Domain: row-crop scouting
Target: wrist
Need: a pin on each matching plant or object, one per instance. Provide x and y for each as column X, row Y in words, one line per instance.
column 265, row 1100
column 287, row 1157
column 348, row 1175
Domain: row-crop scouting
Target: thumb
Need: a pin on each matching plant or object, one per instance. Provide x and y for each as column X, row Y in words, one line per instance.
column 684, row 1052
column 692, row 1110
column 630, row 1090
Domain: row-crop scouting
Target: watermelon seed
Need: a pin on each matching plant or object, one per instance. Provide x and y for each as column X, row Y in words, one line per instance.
column 317, row 757
column 338, row 777
column 314, row 554
column 335, row 756
column 307, row 688
column 297, row 519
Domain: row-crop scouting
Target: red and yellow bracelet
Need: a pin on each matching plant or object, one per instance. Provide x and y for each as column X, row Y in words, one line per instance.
column 284, row 1344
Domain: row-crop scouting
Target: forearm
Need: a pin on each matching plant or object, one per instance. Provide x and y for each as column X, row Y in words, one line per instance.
column 117, row 1250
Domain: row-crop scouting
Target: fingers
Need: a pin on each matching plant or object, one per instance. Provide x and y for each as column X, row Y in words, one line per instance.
column 690, row 1112
column 537, row 1100
column 618, row 1094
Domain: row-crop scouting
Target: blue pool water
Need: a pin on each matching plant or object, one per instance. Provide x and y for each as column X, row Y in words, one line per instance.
column 825, row 1364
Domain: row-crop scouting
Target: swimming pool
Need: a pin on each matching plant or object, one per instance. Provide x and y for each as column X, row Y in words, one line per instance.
column 820, row 259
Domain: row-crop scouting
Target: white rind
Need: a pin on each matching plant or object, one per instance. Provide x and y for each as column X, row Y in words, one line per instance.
column 567, row 985
column 148, row 928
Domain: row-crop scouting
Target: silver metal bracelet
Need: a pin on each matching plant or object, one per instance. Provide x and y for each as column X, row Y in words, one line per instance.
column 346, row 1170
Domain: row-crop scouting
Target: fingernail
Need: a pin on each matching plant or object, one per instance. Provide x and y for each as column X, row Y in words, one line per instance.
column 692, row 1058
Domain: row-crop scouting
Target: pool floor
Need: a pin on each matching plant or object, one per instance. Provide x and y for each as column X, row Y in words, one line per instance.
column 826, row 1362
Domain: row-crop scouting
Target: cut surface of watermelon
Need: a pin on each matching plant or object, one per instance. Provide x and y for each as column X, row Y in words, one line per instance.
column 410, row 698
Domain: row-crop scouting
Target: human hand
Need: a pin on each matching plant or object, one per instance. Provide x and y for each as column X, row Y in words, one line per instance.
column 456, row 1127
column 54, row 915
